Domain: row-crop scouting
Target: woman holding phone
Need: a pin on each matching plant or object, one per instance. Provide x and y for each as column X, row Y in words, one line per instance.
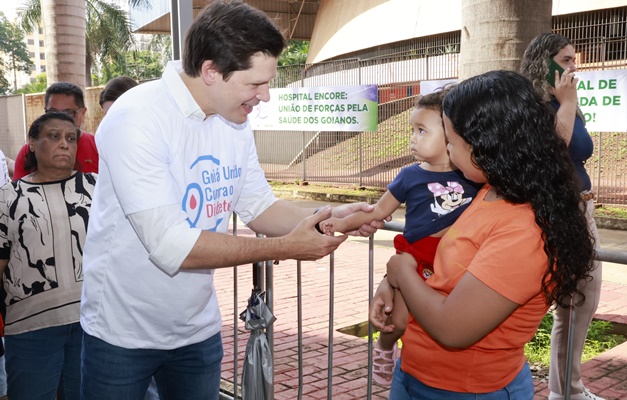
column 543, row 51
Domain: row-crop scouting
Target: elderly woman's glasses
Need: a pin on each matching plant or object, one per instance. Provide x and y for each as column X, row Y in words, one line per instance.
column 71, row 113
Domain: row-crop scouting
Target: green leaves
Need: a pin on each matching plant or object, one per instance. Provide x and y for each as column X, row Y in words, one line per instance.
column 108, row 35
column 295, row 53
column 15, row 53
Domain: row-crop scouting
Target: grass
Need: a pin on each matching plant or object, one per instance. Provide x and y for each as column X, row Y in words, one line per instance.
column 332, row 189
column 600, row 338
column 538, row 350
column 611, row 212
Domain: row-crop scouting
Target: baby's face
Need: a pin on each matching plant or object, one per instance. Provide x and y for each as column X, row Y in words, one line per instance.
column 428, row 143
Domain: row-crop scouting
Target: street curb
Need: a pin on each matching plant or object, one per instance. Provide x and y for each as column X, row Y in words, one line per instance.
column 611, row 223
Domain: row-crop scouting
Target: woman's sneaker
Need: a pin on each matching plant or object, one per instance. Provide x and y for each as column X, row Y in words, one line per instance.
column 585, row 395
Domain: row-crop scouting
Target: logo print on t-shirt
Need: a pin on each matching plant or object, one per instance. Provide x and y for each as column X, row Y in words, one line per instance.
column 447, row 198
column 192, row 203
column 209, row 195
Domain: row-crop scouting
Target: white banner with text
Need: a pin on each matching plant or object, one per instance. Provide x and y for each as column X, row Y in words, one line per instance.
column 602, row 96
column 321, row 108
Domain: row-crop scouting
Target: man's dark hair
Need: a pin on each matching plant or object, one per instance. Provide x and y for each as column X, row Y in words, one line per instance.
column 229, row 33
column 115, row 88
column 68, row 89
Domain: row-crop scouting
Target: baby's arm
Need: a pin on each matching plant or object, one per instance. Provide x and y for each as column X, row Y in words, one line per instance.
column 386, row 205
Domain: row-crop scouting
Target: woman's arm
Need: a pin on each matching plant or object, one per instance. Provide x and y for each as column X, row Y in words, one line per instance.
column 566, row 95
column 459, row 320
column 381, row 306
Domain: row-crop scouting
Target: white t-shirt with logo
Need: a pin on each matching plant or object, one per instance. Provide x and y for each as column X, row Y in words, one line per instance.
column 158, row 151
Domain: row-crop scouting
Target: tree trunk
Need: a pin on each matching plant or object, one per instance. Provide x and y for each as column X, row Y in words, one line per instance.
column 14, row 73
column 64, row 39
column 89, row 61
column 495, row 33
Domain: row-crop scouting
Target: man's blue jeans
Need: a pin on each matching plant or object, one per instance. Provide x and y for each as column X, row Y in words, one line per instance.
column 44, row 363
column 191, row 372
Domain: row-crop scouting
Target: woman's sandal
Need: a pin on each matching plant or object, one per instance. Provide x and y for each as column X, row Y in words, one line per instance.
column 383, row 362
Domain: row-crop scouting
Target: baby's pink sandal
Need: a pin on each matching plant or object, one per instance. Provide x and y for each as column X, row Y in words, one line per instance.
column 383, row 363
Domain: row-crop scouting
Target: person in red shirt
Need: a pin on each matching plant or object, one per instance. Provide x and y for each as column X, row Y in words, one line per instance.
column 68, row 98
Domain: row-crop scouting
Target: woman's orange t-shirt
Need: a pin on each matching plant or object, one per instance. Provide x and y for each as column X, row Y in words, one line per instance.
column 501, row 245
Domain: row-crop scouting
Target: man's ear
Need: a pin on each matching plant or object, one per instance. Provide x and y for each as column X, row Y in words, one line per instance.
column 209, row 73
column 80, row 117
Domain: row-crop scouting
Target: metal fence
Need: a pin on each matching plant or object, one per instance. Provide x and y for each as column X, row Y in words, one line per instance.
column 318, row 348
column 373, row 159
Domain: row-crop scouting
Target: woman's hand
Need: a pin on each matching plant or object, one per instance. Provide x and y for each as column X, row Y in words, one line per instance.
column 398, row 266
column 381, row 307
column 565, row 91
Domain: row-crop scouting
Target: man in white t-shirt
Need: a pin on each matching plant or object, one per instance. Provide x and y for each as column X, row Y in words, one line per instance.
column 177, row 158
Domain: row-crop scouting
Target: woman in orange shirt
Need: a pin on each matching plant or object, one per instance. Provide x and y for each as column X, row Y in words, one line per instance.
column 521, row 245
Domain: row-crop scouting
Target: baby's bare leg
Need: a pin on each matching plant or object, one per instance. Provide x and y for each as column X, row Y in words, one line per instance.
column 398, row 318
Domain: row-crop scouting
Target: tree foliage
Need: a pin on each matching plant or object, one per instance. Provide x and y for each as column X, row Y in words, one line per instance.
column 38, row 86
column 14, row 55
column 140, row 65
column 108, row 33
column 110, row 42
column 295, row 53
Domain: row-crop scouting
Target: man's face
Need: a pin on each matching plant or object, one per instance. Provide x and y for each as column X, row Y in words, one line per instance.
column 65, row 103
column 234, row 99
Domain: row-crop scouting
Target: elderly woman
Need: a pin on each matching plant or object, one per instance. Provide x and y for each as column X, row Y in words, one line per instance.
column 43, row 221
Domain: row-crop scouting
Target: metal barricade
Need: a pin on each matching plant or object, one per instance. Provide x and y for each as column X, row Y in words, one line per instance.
column 263, row 274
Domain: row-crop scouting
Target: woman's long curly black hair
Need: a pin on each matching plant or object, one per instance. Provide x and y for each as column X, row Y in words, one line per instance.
column 511, row 131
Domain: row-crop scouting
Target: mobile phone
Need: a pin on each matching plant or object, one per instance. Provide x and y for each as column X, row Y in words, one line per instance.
column 553, row 66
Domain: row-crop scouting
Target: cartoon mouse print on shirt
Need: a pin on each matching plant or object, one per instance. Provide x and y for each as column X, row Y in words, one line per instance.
column 447, row 198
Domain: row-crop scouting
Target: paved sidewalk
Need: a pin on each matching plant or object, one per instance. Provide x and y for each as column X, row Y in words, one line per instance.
column 606, row 375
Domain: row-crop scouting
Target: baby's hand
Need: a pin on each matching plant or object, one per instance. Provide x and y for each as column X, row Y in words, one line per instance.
column 330, row 226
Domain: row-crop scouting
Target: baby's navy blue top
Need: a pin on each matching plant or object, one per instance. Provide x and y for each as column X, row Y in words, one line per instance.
column 433, row 200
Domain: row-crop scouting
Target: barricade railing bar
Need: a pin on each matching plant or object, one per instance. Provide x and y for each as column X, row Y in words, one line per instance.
column 263, row 277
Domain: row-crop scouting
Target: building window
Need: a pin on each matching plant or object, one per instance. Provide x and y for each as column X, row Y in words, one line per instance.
column 31, row 54
column 41, row 30
column 43, row 68
column 41, row 43
column 42, row 56
column 31, row 41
